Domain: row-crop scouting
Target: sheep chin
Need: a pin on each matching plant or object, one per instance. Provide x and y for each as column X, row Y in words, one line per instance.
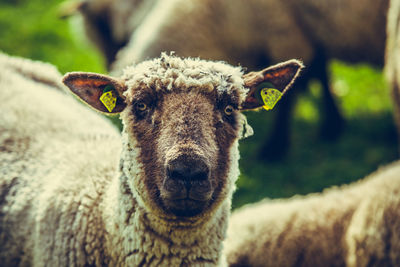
column 185, row 207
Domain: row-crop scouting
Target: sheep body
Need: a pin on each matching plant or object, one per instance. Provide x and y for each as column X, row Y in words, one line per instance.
column 71, row 195
column 351, row 225
column 239, row 32
column 373, row 236
column 46, row 145
column 247, row 32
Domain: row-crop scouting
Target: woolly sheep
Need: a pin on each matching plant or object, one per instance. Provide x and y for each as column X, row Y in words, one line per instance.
column 254, row 33
column 68, row 199
column 352, row 225
column 150, row 27
column 46, row 141
column 242, row 32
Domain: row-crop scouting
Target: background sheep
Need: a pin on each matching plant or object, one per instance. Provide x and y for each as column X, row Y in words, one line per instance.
column 252, row 33
column 373, row 236
column 65, row 201
column 46, row 141
column 353, row 225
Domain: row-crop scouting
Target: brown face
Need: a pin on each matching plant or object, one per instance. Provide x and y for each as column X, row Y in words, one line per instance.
column 184, row 139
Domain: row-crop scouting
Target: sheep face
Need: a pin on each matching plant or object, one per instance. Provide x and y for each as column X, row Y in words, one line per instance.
column 182, row 122
column 185, row 139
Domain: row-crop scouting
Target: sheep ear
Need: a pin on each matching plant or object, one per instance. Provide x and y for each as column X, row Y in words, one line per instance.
column 267, row 86
column 102, row 92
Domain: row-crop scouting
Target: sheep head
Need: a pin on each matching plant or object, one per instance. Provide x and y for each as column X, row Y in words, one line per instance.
column 182, row 120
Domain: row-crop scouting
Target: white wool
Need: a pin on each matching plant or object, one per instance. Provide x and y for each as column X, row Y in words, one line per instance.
column 45, row 147
column 229, row 29
column 37, row 71
column 185, row 74
column 352, row 225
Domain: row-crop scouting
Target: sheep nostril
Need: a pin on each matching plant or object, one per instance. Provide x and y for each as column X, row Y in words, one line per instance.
column 187, row 170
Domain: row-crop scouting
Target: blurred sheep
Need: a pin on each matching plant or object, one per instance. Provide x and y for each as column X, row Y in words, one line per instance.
column 354, row 225
column 252, row 33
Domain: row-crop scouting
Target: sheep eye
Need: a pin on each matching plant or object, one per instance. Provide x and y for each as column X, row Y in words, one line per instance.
column 141, row 106
column 228, row 110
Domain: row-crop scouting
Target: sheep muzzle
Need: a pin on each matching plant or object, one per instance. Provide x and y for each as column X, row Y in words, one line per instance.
column 186, row 189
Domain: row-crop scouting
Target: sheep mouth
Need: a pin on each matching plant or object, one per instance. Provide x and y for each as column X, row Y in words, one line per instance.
column 186, row 207
column 186, row 199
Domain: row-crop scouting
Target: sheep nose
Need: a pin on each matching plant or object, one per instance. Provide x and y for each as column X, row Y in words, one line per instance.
column 188, row 170
column 187, row 178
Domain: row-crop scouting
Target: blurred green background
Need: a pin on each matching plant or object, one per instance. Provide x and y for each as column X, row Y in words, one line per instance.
column 32, row 29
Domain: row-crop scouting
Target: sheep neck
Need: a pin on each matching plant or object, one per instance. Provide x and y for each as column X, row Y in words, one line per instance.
column 139, row 237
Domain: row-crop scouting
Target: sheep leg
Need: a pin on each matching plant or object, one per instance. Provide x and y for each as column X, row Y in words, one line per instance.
column 331, row 121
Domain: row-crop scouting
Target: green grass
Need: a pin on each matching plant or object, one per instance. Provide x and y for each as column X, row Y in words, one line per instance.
column 32, row 29
column 313, row 164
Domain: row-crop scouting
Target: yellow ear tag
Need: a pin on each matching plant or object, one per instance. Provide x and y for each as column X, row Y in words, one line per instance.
column 108, row 98
column 270, row 97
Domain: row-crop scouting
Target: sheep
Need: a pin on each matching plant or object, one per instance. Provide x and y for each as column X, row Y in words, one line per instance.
column 253, row 33
column 392, row 68
column 37, row 122
column 75, row 193
column 48, row 74
column 352, row 225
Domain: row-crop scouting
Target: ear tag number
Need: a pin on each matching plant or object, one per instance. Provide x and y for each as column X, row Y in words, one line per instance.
column 108, row 98
column 270, row 97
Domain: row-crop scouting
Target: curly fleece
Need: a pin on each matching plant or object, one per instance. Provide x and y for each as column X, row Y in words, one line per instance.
column 352, row 225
